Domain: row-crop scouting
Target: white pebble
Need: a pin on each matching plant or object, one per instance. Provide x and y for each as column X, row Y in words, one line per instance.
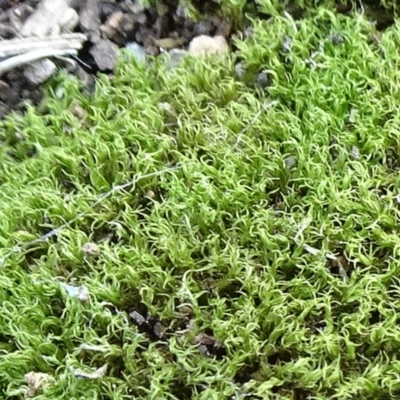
column 204, row 45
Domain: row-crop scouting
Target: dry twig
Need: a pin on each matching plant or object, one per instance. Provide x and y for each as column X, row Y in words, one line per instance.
column 26, row 50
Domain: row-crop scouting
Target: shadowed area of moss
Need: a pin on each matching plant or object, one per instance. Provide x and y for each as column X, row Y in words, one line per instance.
column 265, row 265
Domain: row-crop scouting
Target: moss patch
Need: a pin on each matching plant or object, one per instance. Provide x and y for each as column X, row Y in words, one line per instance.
column 254, row 256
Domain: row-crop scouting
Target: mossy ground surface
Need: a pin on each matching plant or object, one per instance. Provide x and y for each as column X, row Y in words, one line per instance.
column 225, row 242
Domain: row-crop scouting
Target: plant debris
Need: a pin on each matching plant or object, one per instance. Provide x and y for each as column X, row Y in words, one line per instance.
column 35, row 381
column 97, row 374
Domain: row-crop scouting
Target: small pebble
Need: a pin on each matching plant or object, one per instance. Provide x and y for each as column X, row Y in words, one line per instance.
column 137, row 318
column 137, row 50
column 290, row 162
column 105, row 54
column 206, row 45
column 39, row 71
column 262, row 79
column 150, row 194
column 159, row 329
column 90, row 249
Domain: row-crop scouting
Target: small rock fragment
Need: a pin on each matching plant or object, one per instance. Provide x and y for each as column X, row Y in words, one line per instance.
column 39, row 71
column 88, row 80
column 83, row 295
column 152, row 51
column 263, row 79
column 137, row 50
column 90, row 249
column 206, row 45
column 150, row 194
column 107, row 9
column 137, row 318
column 80, row 292
column 204, row 350
column 175, row 57
column 159, row 329
column 104, row 53
column 290, row 162
column 140, row 18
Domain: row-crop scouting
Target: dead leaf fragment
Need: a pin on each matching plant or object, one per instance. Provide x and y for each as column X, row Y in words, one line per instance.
column 342, row 266
column 98, row 373
column 35, row 381
column 185, row 309
column 355, row 152
column 169, row 43
column 204, row 339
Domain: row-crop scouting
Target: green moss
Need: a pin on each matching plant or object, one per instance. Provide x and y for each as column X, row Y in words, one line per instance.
column 231, row 232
